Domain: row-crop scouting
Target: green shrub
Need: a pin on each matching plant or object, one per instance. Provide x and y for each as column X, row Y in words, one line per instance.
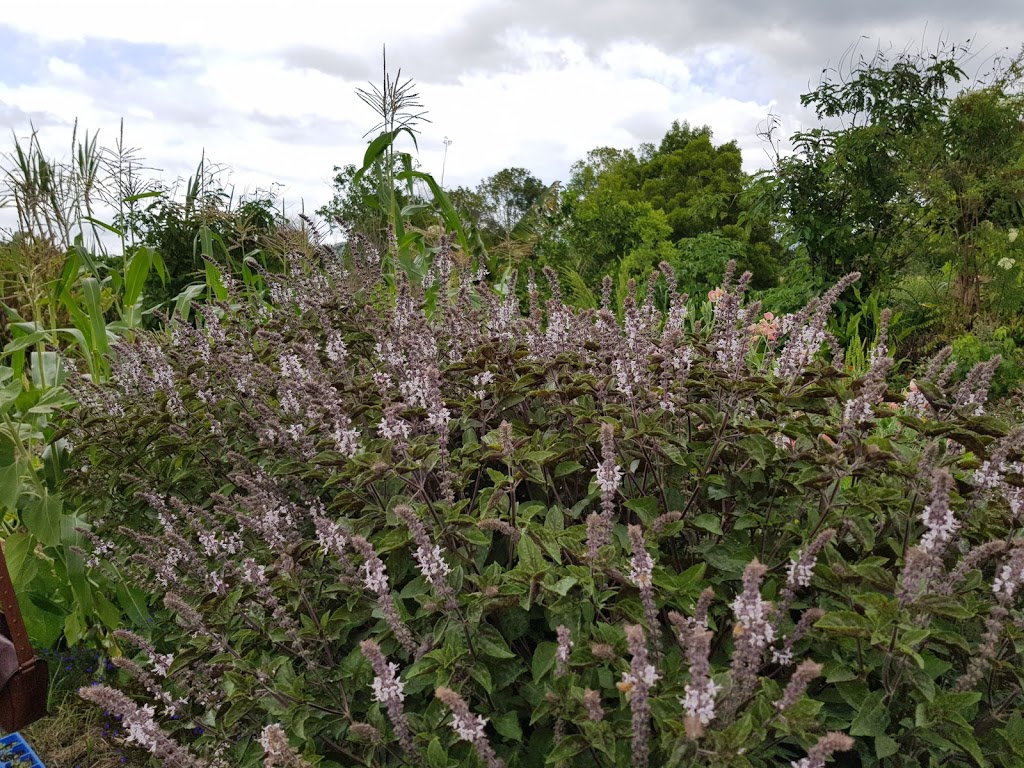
column 985, row 342
column 378, row 536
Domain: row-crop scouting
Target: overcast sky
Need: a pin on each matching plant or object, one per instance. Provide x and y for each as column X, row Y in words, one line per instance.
column 268, row 88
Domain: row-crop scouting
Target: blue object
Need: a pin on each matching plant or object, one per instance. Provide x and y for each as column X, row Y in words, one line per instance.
column 16, row 753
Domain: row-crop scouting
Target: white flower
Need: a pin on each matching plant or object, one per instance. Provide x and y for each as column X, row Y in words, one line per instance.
column 392, row 427
column 649, row 677
column 275, row 743
column 1012, row 232
column 141, row 727
column 347, row 440
column 330, row 535
column 1011, row 575
column 482, row 379
column 699, row 701
column 642, row 569
column 471, row 729
column 291, row 367
column 609, row 475
column 941, row 527
column 162, row 663
column 375, row 576
column 252, row 572
column 438, row 417
column 800, row 572
column 1007, row 263
column 432, row 564
column 389, row 688
column 752, row 618
column 782, row 658
column 915, row 401
column 336, row 351
column 988, row 476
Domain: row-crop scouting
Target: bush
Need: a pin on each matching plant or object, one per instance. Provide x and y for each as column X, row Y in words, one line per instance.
column 377, row 535
column 985, row 342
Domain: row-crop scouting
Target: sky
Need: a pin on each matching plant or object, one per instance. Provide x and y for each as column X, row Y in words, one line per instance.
column 268, row 89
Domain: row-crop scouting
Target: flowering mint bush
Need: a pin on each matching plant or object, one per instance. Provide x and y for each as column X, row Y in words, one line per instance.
column 420, row 527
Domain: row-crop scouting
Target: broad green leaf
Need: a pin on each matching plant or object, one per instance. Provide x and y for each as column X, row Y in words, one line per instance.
column 885, row 746
column 567, row 468
column 436, row 755
column 135, row 279
column 10, row 486
column 530, row 556
column 845, row 623
column 872, row 719
column 563, row 585
column 710, row 523
column 568, row 747
column 42, row 518
column 507, row 724
column 543, row 659
column 482, row 675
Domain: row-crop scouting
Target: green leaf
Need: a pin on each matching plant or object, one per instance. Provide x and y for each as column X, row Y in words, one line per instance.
column 507, row 724
column 133, row 603
column 543, row 659
column 885, row 746
column 710, row 523
column 9, row 395
column 21, row 563
column 645, row 507
column 873, row 718
column 1013, row 733
column 72, row 628
column 759, row 448
column 91, row 292
column 567, row 468
column 490, row 643
column 10, row 486
column 108, row 227
column 568, row 747
column 135, row 279
column 71, row 539
column 436, row 755
column 530, row 556
column 143, row 196
column 42, row 517
column 23, row 342
column 563, row 585
column 845, row 623
column 183, row 302
column 482, row 675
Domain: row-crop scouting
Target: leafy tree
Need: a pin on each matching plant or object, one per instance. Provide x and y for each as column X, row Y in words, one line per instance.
column 508, row 195
column 625, row 210
column 361, row 201
column 696, row 184
column 904, row 169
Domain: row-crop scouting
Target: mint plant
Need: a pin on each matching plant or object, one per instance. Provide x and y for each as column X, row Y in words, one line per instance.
column 425, row 528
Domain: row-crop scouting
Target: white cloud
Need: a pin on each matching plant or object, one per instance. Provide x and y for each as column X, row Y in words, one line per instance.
column 224, row 25
column 269, row 89
column 65, row 70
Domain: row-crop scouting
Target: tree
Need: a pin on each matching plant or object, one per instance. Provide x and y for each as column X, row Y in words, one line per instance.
column 905, row 169
column 696, row 184
column 625, row 210
column 508, row 195
column 498, row 204
column 358, row 203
